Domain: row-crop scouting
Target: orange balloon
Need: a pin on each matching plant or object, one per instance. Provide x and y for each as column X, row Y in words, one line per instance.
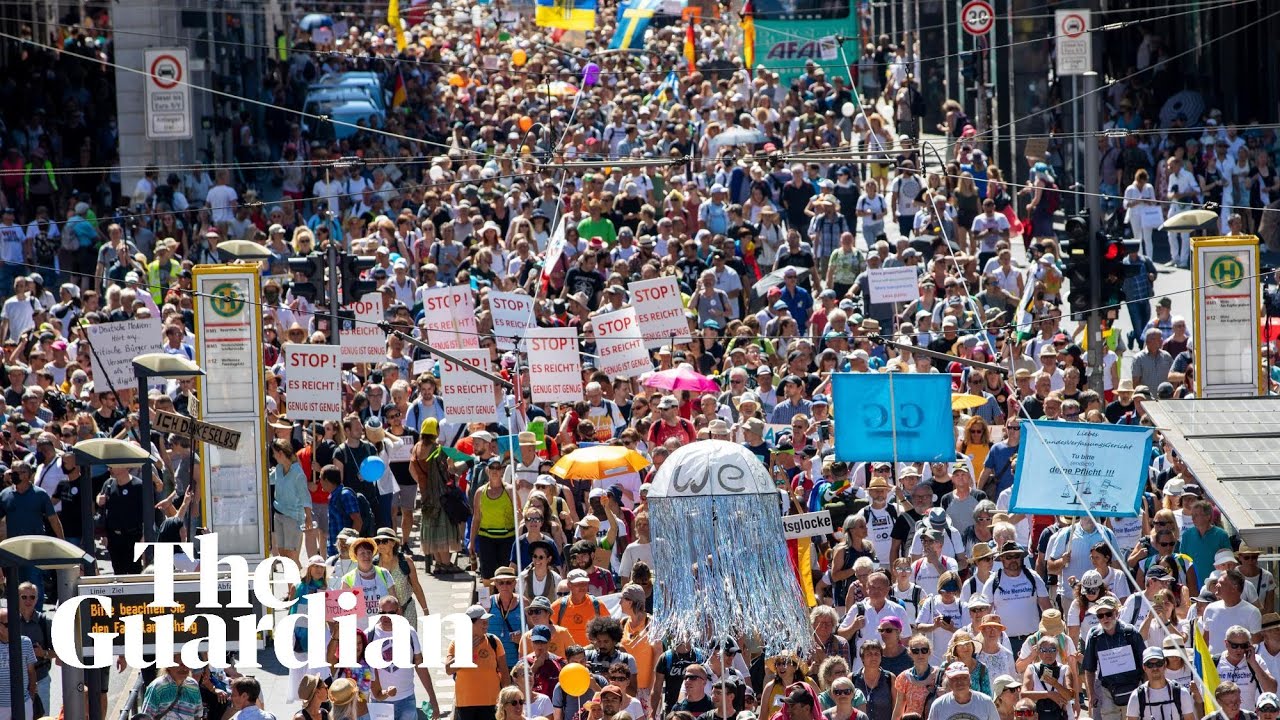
column 519, row 58
column 526, row 122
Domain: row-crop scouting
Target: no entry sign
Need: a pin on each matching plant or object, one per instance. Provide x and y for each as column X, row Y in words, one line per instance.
column 977, row 16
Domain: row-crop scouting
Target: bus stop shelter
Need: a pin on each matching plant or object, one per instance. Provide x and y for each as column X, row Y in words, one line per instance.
column 1232, row 447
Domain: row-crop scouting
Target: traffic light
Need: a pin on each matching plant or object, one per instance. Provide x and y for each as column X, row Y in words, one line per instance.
column 1076, row 257
column 1113, row 270
column 311, row 266
column 969, row 65
column 352, row 287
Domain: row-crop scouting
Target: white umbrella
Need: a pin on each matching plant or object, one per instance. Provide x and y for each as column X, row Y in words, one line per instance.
column 738, row 136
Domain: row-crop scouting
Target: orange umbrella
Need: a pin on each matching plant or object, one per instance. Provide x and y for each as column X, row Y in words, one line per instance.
column 598, row 462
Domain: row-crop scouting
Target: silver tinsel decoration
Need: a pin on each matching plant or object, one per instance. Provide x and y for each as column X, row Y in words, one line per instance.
column 720, row 559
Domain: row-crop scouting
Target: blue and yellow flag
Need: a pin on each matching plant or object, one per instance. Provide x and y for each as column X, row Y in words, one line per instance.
column 666, row 91
column 1206, row 668
column 633, row 19
column 566, row 14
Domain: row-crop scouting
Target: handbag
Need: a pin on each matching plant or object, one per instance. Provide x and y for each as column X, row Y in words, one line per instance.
column 454, row 503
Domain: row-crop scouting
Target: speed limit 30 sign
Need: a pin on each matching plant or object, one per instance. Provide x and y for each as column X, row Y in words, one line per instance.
column 977, row 16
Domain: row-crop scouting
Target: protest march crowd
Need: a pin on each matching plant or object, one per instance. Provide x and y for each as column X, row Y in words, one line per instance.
column 502, row 169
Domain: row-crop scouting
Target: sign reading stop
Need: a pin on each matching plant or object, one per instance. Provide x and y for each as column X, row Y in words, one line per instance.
column 977, row 16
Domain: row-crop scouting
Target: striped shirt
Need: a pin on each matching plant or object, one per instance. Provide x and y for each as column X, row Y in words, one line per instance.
column 173, row 701
column 28, row 660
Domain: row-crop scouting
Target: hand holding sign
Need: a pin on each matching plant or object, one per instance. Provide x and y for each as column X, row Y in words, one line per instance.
column 343, row 602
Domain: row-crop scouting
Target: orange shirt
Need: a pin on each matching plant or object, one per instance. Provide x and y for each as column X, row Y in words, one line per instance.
column 560, row 640
column 642, row 649
column 575, row 616
column 479, row 685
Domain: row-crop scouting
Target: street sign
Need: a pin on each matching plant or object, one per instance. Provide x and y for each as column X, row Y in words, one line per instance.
column 167, row 422
column 1074, row 41
column 1228, row 314
column 977, row 16
column 807, row 525
column 167, row 96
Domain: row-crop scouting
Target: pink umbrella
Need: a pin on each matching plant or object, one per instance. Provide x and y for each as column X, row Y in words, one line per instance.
column 682, row 378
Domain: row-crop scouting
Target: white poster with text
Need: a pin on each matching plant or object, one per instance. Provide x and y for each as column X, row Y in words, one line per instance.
column 450, row 315
column 468, row 397
column 660, row 311
column 115, row 345
column 555, row 368
column 512, row 315
column 364, row 341
column 313, row 381
column 620, row 345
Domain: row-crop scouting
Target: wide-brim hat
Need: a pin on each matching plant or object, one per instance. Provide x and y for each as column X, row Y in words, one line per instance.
column 360, row 542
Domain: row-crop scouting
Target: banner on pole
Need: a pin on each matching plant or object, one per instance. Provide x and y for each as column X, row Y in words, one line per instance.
column 450, row 315
column 893, row 417
column 512, row 314
column 1065, row 467
column 555, row 368
column 313, row 381
column 467, row 396
column 660, row 311
column 364, row 341
column 620, row 344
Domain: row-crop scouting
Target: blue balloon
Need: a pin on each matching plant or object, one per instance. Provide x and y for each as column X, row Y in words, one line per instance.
column 372, row 468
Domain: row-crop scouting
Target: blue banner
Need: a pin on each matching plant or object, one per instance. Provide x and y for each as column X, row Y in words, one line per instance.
column 633, row 19
column 1065, row 467
column 893, row 417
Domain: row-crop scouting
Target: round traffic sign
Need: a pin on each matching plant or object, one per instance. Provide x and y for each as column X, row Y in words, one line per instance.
column 166, row 72
column 1074, row 25
column 977, row 16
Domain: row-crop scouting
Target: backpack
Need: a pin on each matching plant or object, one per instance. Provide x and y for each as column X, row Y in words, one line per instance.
column 1174, row 690
column 1048, row 709
column 368, row 524
column 995, row 586
column 454, row 503
column 564, row 608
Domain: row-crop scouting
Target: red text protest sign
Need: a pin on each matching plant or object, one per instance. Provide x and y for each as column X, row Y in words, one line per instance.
column 620, row 345
column 512, row 315
column 555, row 368
column 313, row 377
column 659, row 310
column 468, row 397
column 365, row 341
column 450, row 315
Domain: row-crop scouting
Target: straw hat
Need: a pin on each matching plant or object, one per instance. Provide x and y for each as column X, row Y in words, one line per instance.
column 771, row 664
column 343, row 691
column 1051, row 623
column 307, row 687
column 359, row 543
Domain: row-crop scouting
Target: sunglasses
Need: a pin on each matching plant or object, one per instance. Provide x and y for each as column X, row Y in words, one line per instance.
column 1238, row 646
column 1024, row 713
column 540, row 557
column 1153, row 664
column 1105, row 615
column 920, row 651
column 620, row 677
column 841, row 693
column 533, row 518
column 888, row 630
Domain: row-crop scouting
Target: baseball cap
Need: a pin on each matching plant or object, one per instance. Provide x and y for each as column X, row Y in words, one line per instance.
column 541, row 633
column 1153, row 653
column 476, row 612
column 578, row 575
column 957, row 669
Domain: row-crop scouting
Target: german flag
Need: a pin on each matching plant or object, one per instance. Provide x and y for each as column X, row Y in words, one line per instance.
column 399, row 95
column 690, row 47
column 749, row 36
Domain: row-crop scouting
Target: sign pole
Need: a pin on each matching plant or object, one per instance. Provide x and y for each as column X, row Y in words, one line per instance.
column 1092, row 174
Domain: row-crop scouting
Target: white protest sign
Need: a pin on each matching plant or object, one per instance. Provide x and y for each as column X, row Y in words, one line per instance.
column 555, row 368
column 313, row 376
column 468, row 397
column 660, row 311
column 364, row 341
column 512, row 314
column 115, row 345
column 423, row 366
column 807, row 525
column 893, row 284
column 450, row 314
column 619, row 344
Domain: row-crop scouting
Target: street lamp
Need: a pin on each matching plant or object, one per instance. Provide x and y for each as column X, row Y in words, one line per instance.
column 145, row 367
column 98, row 451
column 43, row 553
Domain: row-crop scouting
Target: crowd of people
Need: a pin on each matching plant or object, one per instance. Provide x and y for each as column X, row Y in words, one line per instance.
column 934, row 599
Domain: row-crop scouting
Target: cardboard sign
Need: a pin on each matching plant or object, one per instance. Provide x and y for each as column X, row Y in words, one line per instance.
column 450, row 314
column 620, row 344
column 894, row 284
column 468, row 397
column 660, row 311
column 115, row 345
column 333, row 606
column 555, row 367
column 313, row 381
column 512, row 315
column 807, row 525
column 167, row 422
column 365, row 341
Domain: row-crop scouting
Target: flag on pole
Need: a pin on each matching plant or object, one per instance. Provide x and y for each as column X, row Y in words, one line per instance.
column 800, row 553
column 668, row 89
column 393, row 19
column 399, row 95
column 1206, row 668
column 749, row 36
column 1024, row 319
column 566, row 14
column 690, row 47
column 633, row 19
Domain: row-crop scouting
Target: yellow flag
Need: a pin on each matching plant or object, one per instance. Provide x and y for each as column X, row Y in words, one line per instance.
column 1207, row 667
column 393, row 19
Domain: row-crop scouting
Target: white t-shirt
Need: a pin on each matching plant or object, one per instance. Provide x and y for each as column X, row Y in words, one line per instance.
column 21, row 315
column 1016, row 601
column 983, row 224
column 979, row 707
column 221, row 200
column 1218, row 618
column 926, row 574
column 635, row 552
column 401, row 678
column 1157, row 703
column 941, row 638
column 1241, row 675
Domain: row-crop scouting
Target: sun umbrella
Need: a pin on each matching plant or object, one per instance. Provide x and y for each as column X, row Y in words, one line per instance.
column 760, row 290
column 598, row 462
column 1188, row 103
column 558, row 88
column 315, row 20
column 965, row 401
column 683, row 377
column 1189, row 220
column 738, row 136
column 245, row 250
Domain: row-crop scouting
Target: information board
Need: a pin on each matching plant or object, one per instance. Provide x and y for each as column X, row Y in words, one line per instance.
column 1228, row 309
column 167, row 94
